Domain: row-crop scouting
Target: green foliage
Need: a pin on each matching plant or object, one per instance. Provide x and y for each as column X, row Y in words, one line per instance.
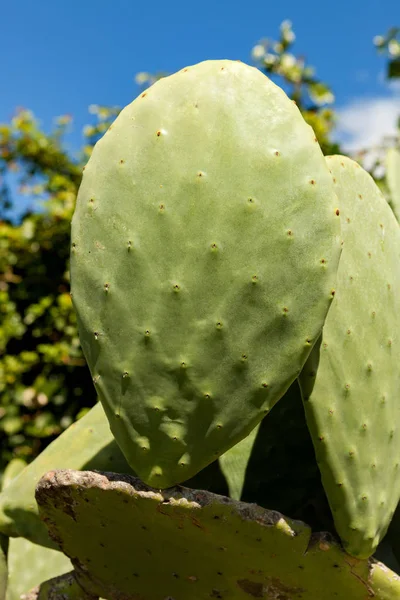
column 44, row 381
column 312, row 96
column 390, row 45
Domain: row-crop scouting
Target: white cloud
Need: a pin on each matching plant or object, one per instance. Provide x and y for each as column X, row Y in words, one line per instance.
column 394, row 85
column 363, row 123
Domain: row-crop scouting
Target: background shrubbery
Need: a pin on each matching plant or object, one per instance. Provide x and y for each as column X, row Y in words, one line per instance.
column 44, row 381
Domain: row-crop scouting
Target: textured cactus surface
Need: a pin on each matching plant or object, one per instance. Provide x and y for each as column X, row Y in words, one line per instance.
column 351, row 381
column 205, row 245
column 203, row 545
column 14, row 468
column 87, row 444
column 64, row 587
column 393, row 179
column 29, row 565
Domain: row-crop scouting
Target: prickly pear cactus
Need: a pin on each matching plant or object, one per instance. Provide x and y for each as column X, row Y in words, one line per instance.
column 351, row 381
column 233, row 464
column 64, row 587
column 14, row 468
column 205, row 245
column 87, row 444
column 29, row 565
column 23, row 564
column 203, row 545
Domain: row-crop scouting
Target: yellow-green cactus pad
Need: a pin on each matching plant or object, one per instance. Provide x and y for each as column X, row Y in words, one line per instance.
column 351, row 382
column 64, row 587
column 86, row 444
column 129, row 541
column 29, row 565
column 205, row 245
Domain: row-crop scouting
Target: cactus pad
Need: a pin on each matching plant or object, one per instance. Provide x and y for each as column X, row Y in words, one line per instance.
column 233, row 464
column 116, row 530
column 86, row 444
column 351, row 381
column 30, row 564
column 64, row 587
column 205, row 245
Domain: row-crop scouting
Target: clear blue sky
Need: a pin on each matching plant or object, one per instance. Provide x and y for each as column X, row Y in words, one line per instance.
column 60, row 57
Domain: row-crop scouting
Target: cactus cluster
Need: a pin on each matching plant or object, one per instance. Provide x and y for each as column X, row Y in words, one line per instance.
column 237, row 297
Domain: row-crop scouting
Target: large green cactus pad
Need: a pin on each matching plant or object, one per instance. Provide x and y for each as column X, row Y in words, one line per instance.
column 87, row 444
column 14, row 468
column 129, row 541
column 204, row 252
column 351, row 382
column 30, row 564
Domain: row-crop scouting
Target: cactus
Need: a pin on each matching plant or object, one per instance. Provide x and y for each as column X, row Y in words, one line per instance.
column 234, row 463
column 204, row 545
column 219, row 264
column 23, row 564
column 87, row 444
column 198, row 291
column 29, row 565
column 393, row 179
column 352, row 379
column 64, row 586
column 14, row 468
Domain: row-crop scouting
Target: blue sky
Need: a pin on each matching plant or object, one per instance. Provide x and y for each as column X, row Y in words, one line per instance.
column 60, row 57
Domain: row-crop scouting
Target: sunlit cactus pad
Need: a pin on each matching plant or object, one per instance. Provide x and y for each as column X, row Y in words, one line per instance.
column 205, row 245
column 129, row 541
column 351, row 383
